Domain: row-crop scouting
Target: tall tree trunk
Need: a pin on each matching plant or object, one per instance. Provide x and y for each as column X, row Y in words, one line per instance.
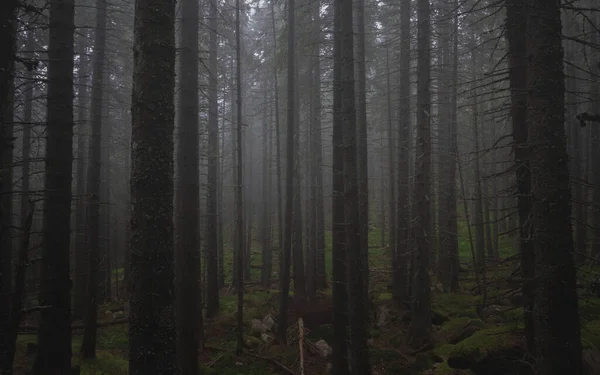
column 478, row 218
column 212, row 199
column 25, row 206
column 420, row 327
column 289, row 178
column 355, row 253
column 400, row 260
column 8, row 13
column 572, row 83
column 557, row 342
column 239, row 209
column 81, row 250
column 452, row 204
column 516, row 27
column 595, row 151
column 94, row 181
column 317, row 152
column 152, row 331
column 362, row 149
column 266, row 243
column 447, row 193
column 280, row 218
column 187, row 203
column 54, row 336
column 338, row 243
column 392, row 204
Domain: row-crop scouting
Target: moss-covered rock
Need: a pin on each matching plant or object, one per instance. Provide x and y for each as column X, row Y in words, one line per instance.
column 489, row 351
column 455, row 305
column 444, row 369
column 443, row 351
column 459, row 329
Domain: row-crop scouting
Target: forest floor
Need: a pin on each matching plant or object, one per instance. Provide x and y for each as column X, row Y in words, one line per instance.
column 466, row 338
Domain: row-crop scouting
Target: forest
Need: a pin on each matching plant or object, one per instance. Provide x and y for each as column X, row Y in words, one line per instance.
column 301, row 187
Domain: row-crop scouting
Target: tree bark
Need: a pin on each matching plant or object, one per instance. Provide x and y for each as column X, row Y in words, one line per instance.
column 362, row 149
column 187, row 215
column 289, row 179
column 54, row 337
column 8, row 13
column 518, row 66
column 94, row 181
column 239, row 209
column 420, row 327
column 81, row 250
column 557, row 345
column 340, row 265
column 152, row 332
column 400, row 259
column 212, row 200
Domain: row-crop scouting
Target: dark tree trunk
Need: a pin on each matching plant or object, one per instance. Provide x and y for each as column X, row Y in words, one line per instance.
column 557, row 345
column 54, row 336
column 452, row 204
column 8, row 14
column 289, row 180
column 317, row 154
column 400, row 259
column 239, row 209
column 355, row 253
column 278, row 143
column 266, row 239
column 152, row 332
column 212, row 199
column 595, row 152
column 392, row 204
column 187, row 202
column 447, row 193
column 516, row 27
column 340, row 264
column 478, row 221
column 361, row 146
column 81, row 250
column 420, row 327
column 94, row 181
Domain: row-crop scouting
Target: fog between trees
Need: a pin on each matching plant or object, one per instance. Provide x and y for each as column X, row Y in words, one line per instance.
column 299, row 187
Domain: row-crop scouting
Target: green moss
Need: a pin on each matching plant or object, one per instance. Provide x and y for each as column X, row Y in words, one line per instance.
column 590, row 334
column 455, row 326
column 105, row 363
column 515, row 316
column 476, row 347
column 444, row 369
column 383, row 297
column 589, row 308
column 455, row 305
column 114, row 337
column 443, row 351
